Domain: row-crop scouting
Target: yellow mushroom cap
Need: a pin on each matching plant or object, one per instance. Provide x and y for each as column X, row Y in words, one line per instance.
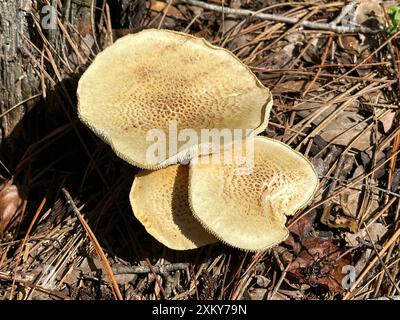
column 247, row 211
column 148, row 80
column 160, row 202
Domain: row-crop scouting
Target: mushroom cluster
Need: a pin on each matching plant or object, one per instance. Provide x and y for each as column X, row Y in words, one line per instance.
column 148, row 80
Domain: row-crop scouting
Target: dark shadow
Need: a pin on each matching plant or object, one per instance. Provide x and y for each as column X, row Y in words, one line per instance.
column 51, row 149
column 180, row 198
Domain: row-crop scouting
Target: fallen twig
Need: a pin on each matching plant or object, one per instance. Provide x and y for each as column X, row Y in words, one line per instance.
column 278, row 18
column 156, row 269
column 345, row 10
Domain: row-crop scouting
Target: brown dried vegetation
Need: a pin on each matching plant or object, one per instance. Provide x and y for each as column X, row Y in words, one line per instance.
column 336, row 100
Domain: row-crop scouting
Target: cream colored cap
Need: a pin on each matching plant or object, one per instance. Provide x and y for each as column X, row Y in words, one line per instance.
column 150, row 79
column 247, row 211
column 160, row 202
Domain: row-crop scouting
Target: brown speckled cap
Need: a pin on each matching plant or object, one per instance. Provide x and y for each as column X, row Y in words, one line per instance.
column 160, row 202
column 248, row 211
column 148, row 79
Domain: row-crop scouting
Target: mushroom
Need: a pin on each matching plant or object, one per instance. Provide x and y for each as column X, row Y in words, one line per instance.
column 248, row 211
column 160, row 202
column 155, row 79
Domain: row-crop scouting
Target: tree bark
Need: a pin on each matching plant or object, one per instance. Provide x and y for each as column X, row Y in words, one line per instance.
column 18, row 80
column 31, row 66
column 35, row 58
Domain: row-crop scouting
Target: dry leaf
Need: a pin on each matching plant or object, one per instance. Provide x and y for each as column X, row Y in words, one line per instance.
column 10, row 204
column 369, row 13
column 255, row 294
column 351, row 44
column 350, row 200
column 280, row 57
column 309, row 108
column 295, row 37
column 293, row 243
column 291, row 86
column 317, row 264
column 343, row 222
column 387, row 121
column 376, row 230
column 262, row 281
column 159, row 6
column 238, row 41
column 314, row 50
column 345, row 128
column 304, row 225
column 278, row 296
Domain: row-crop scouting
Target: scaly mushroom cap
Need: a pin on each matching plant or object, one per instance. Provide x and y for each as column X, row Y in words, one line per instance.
column 147, row 80
column 160, row 202
column 247, row 211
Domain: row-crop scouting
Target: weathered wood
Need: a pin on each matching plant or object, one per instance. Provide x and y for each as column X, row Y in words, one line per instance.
column 35, row 56
column 24, row 72
column 18, row 80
